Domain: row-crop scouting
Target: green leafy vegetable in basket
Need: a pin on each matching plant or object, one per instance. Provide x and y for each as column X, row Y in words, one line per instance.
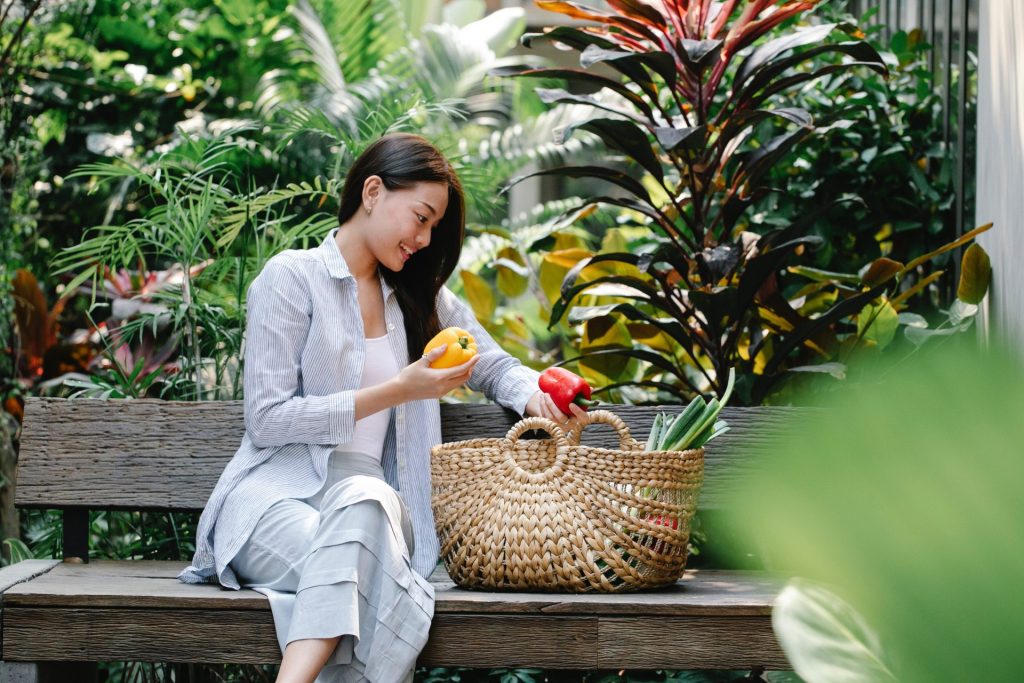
column 693, row 427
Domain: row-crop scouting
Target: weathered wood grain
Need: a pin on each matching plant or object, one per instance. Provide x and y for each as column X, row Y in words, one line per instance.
column 689, row 643
column 164, row 455
column 148, row 584
column 218, row 636
column 247, row 637
column 138, row 610
column 484, row 641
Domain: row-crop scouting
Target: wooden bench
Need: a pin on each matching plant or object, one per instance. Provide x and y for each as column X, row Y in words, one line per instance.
column 152, row 455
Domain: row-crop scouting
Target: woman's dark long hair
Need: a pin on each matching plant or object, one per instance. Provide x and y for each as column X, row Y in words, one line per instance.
column 402, row 160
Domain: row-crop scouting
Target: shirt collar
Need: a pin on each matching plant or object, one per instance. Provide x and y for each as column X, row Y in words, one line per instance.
column 336, row 265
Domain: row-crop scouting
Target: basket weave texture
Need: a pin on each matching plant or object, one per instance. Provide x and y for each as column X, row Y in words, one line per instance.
column 555, row 515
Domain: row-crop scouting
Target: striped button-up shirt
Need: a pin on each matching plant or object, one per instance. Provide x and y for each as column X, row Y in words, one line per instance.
column 304, row 352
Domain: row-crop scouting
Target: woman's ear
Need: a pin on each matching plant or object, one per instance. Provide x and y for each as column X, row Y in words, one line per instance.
column 373, row 188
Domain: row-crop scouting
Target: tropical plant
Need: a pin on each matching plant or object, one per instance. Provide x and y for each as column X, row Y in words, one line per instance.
column 696, row 109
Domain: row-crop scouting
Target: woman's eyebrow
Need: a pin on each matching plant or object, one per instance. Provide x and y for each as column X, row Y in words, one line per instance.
column 432, row 209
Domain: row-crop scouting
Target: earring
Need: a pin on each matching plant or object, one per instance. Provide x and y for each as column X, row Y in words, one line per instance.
column 369, row 210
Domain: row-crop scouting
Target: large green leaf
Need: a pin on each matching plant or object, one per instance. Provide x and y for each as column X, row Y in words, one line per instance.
column 878, row 323
column 869, row 494
column 825, row 639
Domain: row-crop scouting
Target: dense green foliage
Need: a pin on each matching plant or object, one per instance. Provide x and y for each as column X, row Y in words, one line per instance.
column 154, row 155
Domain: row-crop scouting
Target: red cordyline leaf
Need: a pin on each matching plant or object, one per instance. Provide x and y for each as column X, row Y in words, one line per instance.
column 749, row 27
column 627, row 25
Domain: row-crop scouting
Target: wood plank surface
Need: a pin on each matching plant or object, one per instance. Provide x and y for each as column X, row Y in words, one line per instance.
column 247, row 637
column 167, row 455
column 689, row 643
column 216, row 636
column 25, row 570
column 145, row 584
column 486, row 641
column 138, row 610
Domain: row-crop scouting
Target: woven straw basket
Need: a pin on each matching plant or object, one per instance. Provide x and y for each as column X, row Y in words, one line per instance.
column 555, row 515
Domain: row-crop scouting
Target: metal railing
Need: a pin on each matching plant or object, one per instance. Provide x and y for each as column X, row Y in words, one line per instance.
column 951, row 28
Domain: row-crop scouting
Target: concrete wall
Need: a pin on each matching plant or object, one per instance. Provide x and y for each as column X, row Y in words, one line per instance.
column 1000, row 177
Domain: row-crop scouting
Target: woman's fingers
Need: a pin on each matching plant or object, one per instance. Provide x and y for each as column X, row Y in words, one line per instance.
column 554, row 413
column 434, row 354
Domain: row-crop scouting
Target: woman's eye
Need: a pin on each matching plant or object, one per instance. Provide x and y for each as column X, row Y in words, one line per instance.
column 422, row 219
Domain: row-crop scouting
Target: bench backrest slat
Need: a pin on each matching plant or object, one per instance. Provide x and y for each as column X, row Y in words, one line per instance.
column 164, row 455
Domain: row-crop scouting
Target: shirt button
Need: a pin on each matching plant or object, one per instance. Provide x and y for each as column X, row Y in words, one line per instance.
column 391, row 326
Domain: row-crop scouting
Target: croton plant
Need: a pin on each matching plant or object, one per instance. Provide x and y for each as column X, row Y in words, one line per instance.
column 692, row 95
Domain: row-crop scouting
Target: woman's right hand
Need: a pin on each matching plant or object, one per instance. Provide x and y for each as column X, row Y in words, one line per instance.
column 419, row 381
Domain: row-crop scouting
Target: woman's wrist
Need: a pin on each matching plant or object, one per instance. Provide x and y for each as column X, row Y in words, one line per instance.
column 379, row 397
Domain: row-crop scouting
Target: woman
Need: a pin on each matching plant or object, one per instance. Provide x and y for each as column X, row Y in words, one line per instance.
column 325, row 508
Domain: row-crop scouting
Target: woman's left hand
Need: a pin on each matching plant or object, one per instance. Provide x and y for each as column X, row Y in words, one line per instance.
column 541, row 405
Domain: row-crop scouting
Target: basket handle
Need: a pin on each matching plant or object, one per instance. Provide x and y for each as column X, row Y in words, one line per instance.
column 543, row 424
column 626, row 441
column 530, row 423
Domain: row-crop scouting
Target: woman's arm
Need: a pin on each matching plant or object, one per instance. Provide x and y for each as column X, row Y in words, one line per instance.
column 279, row 313
column 499, row 375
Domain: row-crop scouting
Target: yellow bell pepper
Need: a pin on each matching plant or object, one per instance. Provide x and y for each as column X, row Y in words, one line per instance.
column 461, row 347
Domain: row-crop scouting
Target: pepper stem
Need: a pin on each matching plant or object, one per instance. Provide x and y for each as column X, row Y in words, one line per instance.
column 464, row 342
column 585, row 402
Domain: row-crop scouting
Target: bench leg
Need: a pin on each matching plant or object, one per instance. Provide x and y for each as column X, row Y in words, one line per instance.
column 18, row 672
column 47, row 672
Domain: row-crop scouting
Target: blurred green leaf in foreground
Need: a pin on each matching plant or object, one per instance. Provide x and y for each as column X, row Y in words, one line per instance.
column 904, row 498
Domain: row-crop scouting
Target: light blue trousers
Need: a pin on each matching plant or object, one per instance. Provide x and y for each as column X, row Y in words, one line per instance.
column 337, row 564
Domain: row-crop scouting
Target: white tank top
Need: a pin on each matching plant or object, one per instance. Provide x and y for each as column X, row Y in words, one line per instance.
column 370, row 431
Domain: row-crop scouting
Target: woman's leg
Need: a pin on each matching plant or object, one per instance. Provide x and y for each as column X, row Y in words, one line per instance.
column 303, row 659
column 272, row 557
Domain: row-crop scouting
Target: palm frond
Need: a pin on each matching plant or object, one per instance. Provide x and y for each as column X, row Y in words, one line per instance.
column 321, row 189
column 318, row 42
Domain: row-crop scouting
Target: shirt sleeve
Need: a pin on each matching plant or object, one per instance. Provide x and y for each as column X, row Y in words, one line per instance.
column 279, row 314
column 499, row 375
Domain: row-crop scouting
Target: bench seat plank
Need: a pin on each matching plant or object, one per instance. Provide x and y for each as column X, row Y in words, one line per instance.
column 131, row 583
column 138, row 610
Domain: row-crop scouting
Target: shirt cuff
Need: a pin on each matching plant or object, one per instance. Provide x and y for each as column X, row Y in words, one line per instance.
column 342, row 409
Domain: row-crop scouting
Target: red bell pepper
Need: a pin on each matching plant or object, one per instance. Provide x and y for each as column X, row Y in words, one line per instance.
column 659, row 545
column 565, row 388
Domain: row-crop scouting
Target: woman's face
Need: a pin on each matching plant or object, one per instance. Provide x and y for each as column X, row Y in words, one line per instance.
column 402, row 220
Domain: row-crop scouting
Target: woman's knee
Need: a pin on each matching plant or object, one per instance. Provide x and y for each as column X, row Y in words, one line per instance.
column 281, row 540
column 339, row 496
